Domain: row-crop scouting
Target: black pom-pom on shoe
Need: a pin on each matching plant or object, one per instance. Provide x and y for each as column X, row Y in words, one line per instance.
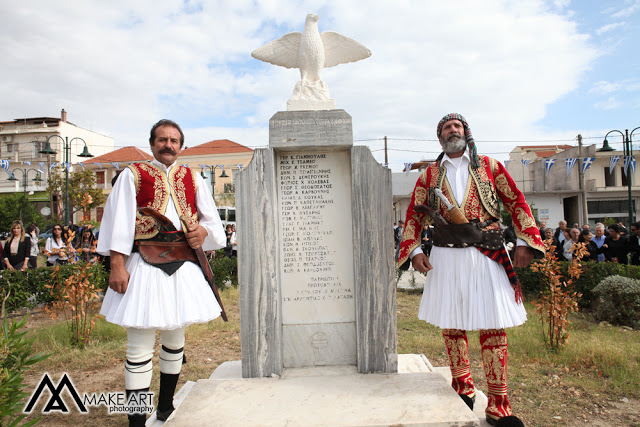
column 468, row 400
column 510, row 421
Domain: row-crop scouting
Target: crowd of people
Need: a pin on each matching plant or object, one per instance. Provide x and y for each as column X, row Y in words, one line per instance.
column 21, row 249
column 613, row 243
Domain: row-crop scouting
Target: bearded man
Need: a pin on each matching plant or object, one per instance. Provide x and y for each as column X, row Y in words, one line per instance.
column 471, row 284
column 145, row 294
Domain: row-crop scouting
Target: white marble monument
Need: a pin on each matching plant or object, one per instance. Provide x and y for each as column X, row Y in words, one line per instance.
column 311, row 52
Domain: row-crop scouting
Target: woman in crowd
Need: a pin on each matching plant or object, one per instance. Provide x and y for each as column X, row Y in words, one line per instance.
column 586, row 237
column 17, row 248
column 86, row 246
column 55, row 248
column 35, row 250
column 234, row 241
column 229, row 233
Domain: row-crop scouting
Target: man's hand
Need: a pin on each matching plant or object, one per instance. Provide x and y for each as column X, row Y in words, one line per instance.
column 196, row 235
column 119, row 277
column 420, row 262
column 523, row 256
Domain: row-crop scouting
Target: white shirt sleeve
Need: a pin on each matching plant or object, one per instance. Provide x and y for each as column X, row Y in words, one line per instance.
column 209, row 218
column 117, row 229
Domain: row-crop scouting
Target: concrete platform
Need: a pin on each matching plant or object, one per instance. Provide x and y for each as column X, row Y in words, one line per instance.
column 419, row 395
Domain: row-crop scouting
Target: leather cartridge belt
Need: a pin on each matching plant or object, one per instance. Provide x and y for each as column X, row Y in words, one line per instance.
column 167, row 251
column 470, row 234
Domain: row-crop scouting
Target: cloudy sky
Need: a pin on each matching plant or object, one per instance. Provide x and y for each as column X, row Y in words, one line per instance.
column 522, row 72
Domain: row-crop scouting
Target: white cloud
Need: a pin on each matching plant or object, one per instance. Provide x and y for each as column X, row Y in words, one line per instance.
column 609, row 27
column 119, row 66
column 609, row 104
column 633, row 7
column 603, row 88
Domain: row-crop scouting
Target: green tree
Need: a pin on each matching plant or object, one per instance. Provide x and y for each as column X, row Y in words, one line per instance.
column 17, row 206
column 80, row 183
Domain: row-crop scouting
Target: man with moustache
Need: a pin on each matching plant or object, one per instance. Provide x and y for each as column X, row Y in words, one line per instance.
column 471, row 284
column 143, row 295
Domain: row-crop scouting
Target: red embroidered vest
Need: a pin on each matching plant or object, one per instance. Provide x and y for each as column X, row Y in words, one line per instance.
column 153, row 189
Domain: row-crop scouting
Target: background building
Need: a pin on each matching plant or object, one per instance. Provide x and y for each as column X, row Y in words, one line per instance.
column 21, row 141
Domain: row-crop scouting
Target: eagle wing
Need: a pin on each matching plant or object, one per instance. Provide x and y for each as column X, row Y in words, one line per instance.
column 339, row 49
column 282, row 51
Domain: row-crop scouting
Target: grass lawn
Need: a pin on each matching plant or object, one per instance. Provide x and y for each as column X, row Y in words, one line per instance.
column 594, row 380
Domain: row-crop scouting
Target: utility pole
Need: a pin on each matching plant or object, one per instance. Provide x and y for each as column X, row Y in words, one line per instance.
column 386, row 156
column 583, row 188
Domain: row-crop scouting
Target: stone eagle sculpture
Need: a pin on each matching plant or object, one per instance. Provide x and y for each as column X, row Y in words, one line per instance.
column 311, row 52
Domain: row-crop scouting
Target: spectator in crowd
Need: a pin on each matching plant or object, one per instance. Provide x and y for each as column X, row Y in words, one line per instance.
column 86, row 246
column 634, row 243
column 228, row 247
column 559, row 234
column 55, row 248
column 586, row 237
column 586, row 227
column 32, row 231
column 568, row 245
column 397, row 236
column 542, row 226
column 17, row 248
column 615, row 246
column 599, row 240
column 234, row 241
column 427, row 243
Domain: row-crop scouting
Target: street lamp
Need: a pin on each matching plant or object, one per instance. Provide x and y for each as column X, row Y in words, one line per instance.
column 67, row 153
column 25, row 174
column 628, row 151
column 213, row 176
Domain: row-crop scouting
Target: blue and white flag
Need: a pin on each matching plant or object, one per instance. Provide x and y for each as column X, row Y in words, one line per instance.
column 186, row 166
column 407, row 167
column 116, row 165
column 570, row 162
column 526, row 161
column 99, row 165
column 629, row 161
column 239, row 166
column 4, row 164
column 612, row 162
column 41, row 166
column 27, row 162
column 82, row 166
column 548, row 163
column 51, row 166
column 68, row 166
column 586, row 162
column 203, row 166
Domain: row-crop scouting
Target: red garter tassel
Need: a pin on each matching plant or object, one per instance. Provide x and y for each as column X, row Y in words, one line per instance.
column 494, row 359
column 458, row 350
column 502, row 258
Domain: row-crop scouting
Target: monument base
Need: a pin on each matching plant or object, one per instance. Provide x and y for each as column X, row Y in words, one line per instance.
column 419, row 395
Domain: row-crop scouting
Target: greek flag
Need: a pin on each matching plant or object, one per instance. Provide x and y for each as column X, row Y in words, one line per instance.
column 612, row 162
column 407, row 167
column 5, row 165
column 239, row 166
column 99, row 165
column 51, row 166
column 186, row 166
column 548, row 163
column 203, row 166
column 586, row 162
column 27, row 162
column 570, row 162
column 526, row 161
column 82, row 166
column 42, row 166
column 116, row 165
column 629, row 161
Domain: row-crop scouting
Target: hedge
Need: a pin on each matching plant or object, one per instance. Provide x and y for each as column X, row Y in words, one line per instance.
column 593, row 273
column 618, row 301
column 28, row 289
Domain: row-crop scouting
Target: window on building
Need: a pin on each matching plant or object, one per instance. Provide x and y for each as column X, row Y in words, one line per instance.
column 609, row 177
column 37, row 147
column 99, row 212
column 625, row 181
column 11, row 147
column 100, row 177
